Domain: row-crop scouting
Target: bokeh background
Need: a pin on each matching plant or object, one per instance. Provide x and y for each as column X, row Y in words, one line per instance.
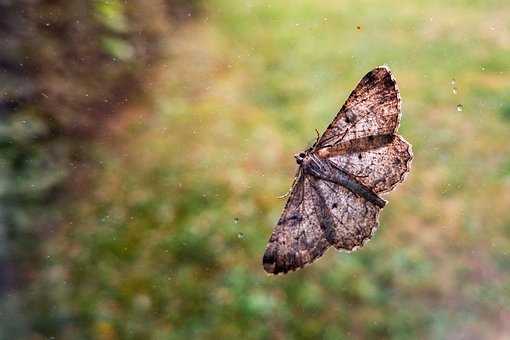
column 144, row 144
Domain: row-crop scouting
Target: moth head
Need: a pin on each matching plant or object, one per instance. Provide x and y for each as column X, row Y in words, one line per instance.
column 299, row 157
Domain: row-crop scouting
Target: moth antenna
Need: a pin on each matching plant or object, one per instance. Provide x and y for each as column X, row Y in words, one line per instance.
column 317, row 140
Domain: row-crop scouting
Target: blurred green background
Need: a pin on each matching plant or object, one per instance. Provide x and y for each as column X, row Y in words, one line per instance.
column 144, row 144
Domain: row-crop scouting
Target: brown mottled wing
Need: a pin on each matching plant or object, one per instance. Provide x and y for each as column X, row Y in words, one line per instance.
column 380, row 164
column 349, row 220
column 373, row 108
column 362, row 139
column 297, row 239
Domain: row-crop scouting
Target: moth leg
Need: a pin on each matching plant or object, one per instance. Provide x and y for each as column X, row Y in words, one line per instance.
column 292, row 186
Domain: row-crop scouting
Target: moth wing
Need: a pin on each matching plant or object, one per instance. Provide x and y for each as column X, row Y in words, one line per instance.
column 297, row 239
column 348, row 220
column 363, row 134
column 373, row 108
column 378, row 163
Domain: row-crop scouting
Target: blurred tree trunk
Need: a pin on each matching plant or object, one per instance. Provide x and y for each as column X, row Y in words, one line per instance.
column 16, row 89
column 66, row 67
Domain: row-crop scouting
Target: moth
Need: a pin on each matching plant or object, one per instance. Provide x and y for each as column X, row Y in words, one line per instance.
column 335, row 199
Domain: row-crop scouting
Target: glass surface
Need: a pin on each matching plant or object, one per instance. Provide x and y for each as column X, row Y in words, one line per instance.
column 144, row 146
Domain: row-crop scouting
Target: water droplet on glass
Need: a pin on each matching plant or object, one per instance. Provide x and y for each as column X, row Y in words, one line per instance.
column 358, row 28
column 236, row 220
column 240, row 236
column 454, row 90
column 460, row 107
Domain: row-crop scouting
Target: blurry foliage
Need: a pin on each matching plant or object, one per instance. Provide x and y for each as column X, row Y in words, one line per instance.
column 164, row 239
column 64, row 67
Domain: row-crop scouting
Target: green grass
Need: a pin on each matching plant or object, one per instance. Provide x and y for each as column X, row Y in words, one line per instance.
column 156, row 251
